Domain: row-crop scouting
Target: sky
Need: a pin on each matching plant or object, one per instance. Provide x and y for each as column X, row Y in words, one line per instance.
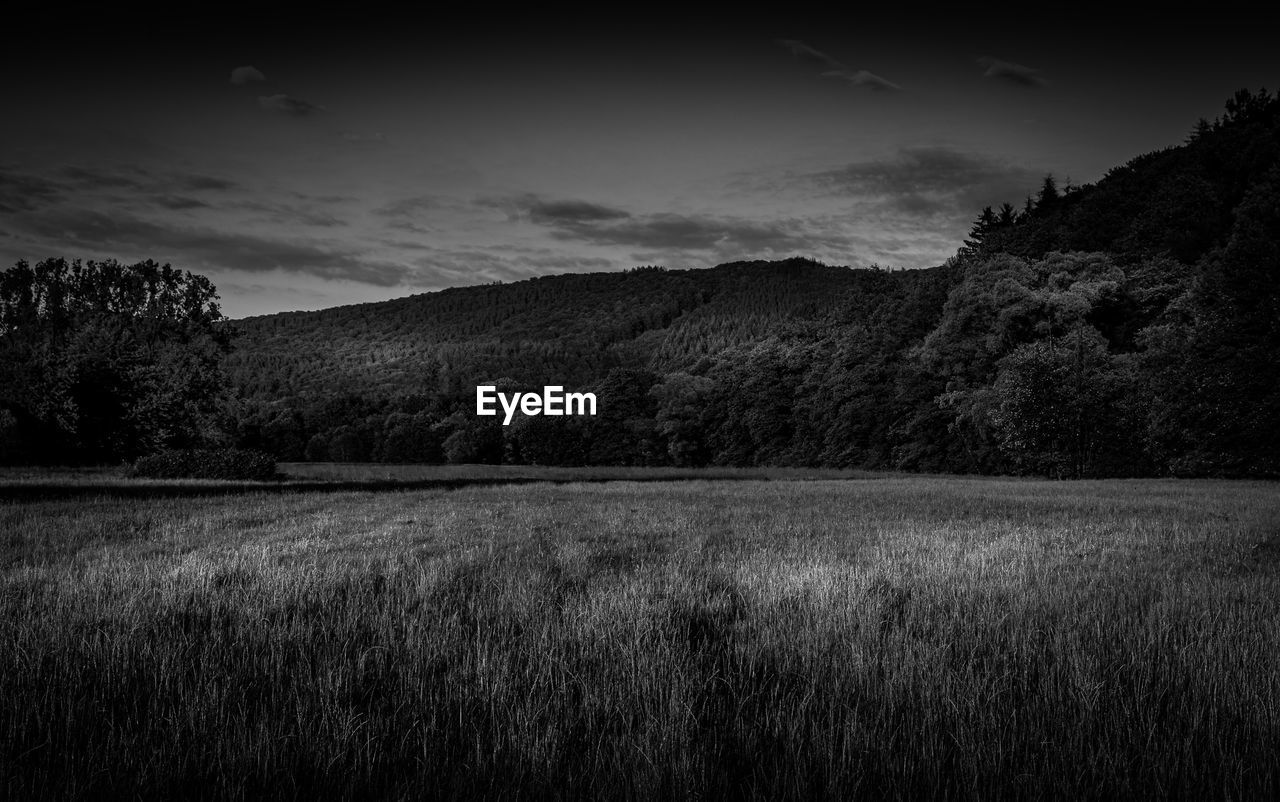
column 303, row 160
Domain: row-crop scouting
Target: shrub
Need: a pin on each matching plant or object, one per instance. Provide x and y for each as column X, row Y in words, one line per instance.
column 221, row 463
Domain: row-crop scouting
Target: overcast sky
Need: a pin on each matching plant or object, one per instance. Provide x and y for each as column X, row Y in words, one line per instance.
column 303, row 162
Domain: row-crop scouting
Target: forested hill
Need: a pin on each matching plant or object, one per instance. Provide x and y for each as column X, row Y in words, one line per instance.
column 572, row 327
column 1123, row 328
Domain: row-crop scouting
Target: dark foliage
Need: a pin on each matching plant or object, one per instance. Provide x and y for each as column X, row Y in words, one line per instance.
column 103, row 362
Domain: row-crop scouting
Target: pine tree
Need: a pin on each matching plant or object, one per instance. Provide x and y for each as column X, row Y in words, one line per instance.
column 981, row 227
column 1007, row 215
column 1049, row 195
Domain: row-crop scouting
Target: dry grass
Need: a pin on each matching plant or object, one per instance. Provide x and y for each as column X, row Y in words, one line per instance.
column 901, row 638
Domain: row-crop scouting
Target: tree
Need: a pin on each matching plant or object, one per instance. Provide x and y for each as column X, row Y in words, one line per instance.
column 682, row 401
column 409, row 438
column 1245, row 106
column 1058, row 408
column 547, row 440
column 986, row 221
column 1007, row 215
column 1048, row 196
column 106, row 362
column 997, row 345
column 624, row 432
column 1201, row 130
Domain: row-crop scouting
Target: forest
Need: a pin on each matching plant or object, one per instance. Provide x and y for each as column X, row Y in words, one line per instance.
column 1129, row 327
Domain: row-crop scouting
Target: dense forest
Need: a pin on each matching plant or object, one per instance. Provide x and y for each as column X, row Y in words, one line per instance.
column 1127, row 327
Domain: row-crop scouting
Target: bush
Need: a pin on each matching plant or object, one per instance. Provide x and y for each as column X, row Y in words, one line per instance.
column 222, row 463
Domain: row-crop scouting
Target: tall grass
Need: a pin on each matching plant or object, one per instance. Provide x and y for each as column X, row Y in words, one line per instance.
column 902, row 639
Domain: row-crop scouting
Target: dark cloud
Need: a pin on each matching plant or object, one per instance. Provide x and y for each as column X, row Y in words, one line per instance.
column 552, row 212
column 20, row 192
column 597, row 224
column 409, row 206
column 179, row 202
column 408, row 245
column 23, row 192
column 1013, row 73
column 930, row 181
column 802, row 50
column 246, row 75
column 863, row 78
column 570, row 212
column 725, row 237
column 127, row 236
column 95, row 178
column 287, row 104
column 834, row 68
column 195, row 181
column 681, row 232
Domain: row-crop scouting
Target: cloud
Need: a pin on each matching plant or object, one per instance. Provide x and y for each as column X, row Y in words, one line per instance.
column 127, row 186
column 130, row 237
column 408, row 206
column 1018, row 74
column 422, row 214
column 20, row 192
column 567, row 212
column 288, row 214
column 801, row 50
column 682, row 232
column 681, row 236
column 287, row 104
column 246, row 75
column 686, row 232
column 179, row 202
column 94, row 178
column 929, row 181
column 573, row 212
column 864, row 78
column 834, row 68
column 195, row 181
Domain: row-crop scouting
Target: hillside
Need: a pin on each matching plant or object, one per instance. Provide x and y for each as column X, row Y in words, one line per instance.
column 573, row 327
column 1124, row 327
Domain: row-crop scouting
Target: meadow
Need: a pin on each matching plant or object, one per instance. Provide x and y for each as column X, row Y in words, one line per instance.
column 744, row 637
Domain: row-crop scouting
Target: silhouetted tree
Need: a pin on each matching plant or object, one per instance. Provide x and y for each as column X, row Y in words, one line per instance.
column 981, row 227
column 1048, row 196
column 1007, row 215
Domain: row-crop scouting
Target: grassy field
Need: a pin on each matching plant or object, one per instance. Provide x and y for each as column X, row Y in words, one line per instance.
column 899, row 638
